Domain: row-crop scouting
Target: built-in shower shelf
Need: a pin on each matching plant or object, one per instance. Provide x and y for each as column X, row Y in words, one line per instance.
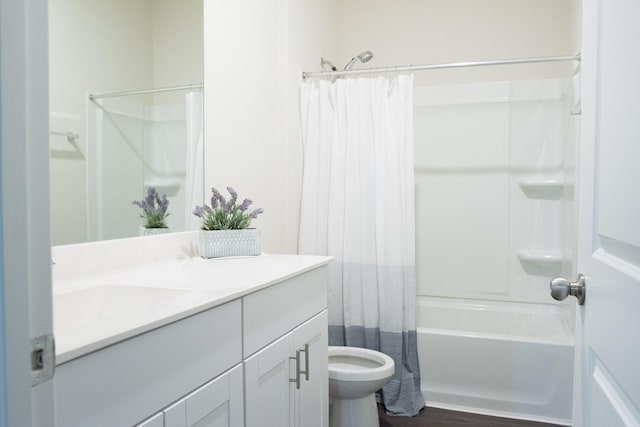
column 541, row 263
column 537, row 188
column 170, row 188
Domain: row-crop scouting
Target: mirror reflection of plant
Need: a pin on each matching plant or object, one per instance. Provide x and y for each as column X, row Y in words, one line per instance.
column 226, row 215
column 154, row 209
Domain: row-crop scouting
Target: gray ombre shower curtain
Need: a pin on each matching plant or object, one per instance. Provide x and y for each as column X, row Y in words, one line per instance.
column 358, row 206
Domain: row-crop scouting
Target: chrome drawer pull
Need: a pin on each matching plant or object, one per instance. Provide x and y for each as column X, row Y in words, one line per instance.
column 306, row 362
column 298, row 372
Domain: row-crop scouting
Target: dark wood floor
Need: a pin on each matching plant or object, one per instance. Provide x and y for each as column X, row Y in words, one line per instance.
column 433, row 417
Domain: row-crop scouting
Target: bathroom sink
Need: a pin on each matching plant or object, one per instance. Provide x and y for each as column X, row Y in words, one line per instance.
column 92, row 315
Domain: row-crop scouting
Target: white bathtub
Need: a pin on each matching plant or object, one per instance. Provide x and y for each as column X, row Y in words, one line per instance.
column 503, row 359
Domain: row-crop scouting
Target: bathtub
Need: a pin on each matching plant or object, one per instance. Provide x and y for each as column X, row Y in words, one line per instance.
column 503, row 359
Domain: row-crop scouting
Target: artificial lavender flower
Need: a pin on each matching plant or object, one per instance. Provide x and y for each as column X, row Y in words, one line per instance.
column 198, row 211
column 254, row 213
column 154, row 209
column 234, row 196
column 163, row 203
column 150, row 200
column 225, row 215
column 217, row 200
column 245, row 204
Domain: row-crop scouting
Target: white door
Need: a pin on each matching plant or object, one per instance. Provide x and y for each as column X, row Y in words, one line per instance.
column 25, row 255
column 608, row 339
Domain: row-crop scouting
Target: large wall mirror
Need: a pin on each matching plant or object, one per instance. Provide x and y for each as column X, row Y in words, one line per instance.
column 106, row 150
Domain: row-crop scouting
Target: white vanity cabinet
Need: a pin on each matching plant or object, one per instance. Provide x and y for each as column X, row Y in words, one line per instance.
column 286, row 381
column 125, row 383
column 257, row 358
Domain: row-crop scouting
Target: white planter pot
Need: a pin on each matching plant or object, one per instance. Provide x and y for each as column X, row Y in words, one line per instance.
column 220, row 243
column 153, row 231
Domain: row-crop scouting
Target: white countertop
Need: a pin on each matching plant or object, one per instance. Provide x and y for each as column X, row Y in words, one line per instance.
column 97, row 310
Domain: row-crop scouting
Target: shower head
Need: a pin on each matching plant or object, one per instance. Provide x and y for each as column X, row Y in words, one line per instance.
column 325, row 63
column 363, row 57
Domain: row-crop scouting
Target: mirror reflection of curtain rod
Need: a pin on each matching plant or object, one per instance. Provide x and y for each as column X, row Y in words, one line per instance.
column 93, row 96
column 310, row 75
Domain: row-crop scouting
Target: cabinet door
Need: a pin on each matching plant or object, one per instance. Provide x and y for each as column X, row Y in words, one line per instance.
column 312, row 399
column 218, row 403
column 267, row 386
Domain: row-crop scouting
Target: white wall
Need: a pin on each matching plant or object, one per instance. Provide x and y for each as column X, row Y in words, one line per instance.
column 254, row 53
column 408, row 32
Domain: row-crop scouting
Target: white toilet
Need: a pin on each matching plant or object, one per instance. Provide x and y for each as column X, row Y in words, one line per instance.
column 355, row 374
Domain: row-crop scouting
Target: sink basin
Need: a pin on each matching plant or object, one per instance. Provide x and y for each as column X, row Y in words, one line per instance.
column 92, row 315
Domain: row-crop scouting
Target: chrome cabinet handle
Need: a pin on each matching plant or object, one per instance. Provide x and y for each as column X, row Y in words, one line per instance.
column 561, row 288
column 306, row 362
column 298, row 371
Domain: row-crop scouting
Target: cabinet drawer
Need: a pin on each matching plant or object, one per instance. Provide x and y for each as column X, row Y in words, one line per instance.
column 122, row 384
column 270, row 313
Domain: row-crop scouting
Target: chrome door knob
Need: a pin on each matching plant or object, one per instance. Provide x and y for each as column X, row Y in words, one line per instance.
column 561, row 288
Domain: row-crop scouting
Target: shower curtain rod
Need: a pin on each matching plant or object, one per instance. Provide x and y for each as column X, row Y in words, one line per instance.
column 310, row 75
column 93, row 96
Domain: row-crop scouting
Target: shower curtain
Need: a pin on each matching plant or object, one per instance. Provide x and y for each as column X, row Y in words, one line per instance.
column 194, row 185
column 358, row 206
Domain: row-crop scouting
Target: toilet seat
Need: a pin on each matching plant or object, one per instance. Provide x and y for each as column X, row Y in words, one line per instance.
column 358, row 364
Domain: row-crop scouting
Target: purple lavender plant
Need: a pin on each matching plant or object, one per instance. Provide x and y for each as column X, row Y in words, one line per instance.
column 226, row 215
column 154, row 209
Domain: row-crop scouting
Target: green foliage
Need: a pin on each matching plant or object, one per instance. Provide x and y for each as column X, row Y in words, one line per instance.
column 219, row 219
